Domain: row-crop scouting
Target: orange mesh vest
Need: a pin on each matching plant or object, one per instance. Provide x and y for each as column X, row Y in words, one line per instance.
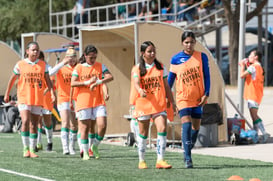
column 87, row 98
column 254, row 88
column 189, row 81
column 155, row 101
column 64, row 84
column 47, row 97
column 30, row 84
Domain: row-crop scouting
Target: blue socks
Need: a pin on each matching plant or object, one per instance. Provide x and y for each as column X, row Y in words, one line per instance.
column 186, row 140
column 194, row 134
column 189, row 138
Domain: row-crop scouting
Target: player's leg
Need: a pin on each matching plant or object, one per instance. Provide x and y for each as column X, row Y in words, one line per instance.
column 35, row 116
column 185, row 116
column 196, row 122
column 101, row 121
column 258, row 124
column 25, row 117
column 91, row 136
column 143, row 123
column 48, row 130
column 40, row 132
column 161, row 126
column 64, row 110
column 84, row 120
column 73, row 133
column 84, row 127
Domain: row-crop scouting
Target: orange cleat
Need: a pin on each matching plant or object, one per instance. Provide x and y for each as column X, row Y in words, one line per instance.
column 162, row 164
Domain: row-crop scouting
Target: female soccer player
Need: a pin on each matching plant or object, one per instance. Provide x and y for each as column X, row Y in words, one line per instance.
column 253, row 73
column 90, row 105
column 31, row 72
column 64, row 73
column 190, row 70
column 150, row 83
column 46, row 115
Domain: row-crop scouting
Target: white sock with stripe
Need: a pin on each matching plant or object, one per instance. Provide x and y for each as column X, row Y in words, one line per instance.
column 161, row 145
column 49, row 133
column 142, row 141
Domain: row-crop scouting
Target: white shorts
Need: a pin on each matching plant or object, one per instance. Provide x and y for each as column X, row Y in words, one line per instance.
column 65, row 106
column 91, row 113
column 252, row 104
column 46, row 111
column 147, row 117
column 33, row 109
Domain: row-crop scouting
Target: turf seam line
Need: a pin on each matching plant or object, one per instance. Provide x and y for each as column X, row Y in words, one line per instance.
column 24, row 175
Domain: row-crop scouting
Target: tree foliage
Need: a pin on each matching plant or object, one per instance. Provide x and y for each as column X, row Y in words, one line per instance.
column 233, row 18
column 25, row 16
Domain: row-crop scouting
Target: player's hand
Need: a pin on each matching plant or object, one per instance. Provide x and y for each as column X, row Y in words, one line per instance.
column 203, row 100
column 106, row 97
column 142, row 92
column 92, row 86
column 53, row 98
column 175, row 109
column 90, row 81
column 71, row 106
column 6, row 98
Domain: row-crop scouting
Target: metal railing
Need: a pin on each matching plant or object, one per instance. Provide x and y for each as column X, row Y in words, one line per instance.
column 63, row 22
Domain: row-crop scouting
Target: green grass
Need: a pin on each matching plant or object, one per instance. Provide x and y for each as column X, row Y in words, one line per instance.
column 120, row 163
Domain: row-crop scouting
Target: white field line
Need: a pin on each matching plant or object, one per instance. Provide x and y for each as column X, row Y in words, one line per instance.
column 24, row 175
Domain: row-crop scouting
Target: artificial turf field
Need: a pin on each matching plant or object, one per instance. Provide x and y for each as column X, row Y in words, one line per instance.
column 118, row 163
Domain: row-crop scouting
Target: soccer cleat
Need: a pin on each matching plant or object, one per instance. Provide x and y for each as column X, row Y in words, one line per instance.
column 26, row 153
column 162, row 164
column 39, row 146
column 85, row 156
column 90, row 152
column 142, row 165
column 49, row 147
column 95, row 151
column 72, row 150
column 81, row 153
column 188, row 164
column 32, row 154
column 36, row 149
column 65, row 151
column 265, row 137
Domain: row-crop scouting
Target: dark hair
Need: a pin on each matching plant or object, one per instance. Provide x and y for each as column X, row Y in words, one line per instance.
column 28, row 45
column 41, row 55
column 187, row 34
column 259, row 55
column 142, row 67
column 88, row 49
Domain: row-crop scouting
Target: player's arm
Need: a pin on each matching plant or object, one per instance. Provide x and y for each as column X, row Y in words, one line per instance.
column 12, row 79
column 75, row 81
column 50, row 87
column 105, row 91
column 107, row 77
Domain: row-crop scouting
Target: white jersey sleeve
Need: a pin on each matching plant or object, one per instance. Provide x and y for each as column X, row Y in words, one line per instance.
column 165, row 72
column 104, row 68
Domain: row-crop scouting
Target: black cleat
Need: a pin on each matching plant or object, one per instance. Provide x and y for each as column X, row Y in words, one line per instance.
column 49, row 147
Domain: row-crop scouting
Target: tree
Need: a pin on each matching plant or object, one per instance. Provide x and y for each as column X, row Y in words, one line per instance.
column 233, row 16
column 25, row 16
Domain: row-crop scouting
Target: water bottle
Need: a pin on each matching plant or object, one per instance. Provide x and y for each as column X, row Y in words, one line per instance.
column 236, row 125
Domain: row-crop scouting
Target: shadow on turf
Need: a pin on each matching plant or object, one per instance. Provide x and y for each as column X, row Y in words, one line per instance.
column 224, row 166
